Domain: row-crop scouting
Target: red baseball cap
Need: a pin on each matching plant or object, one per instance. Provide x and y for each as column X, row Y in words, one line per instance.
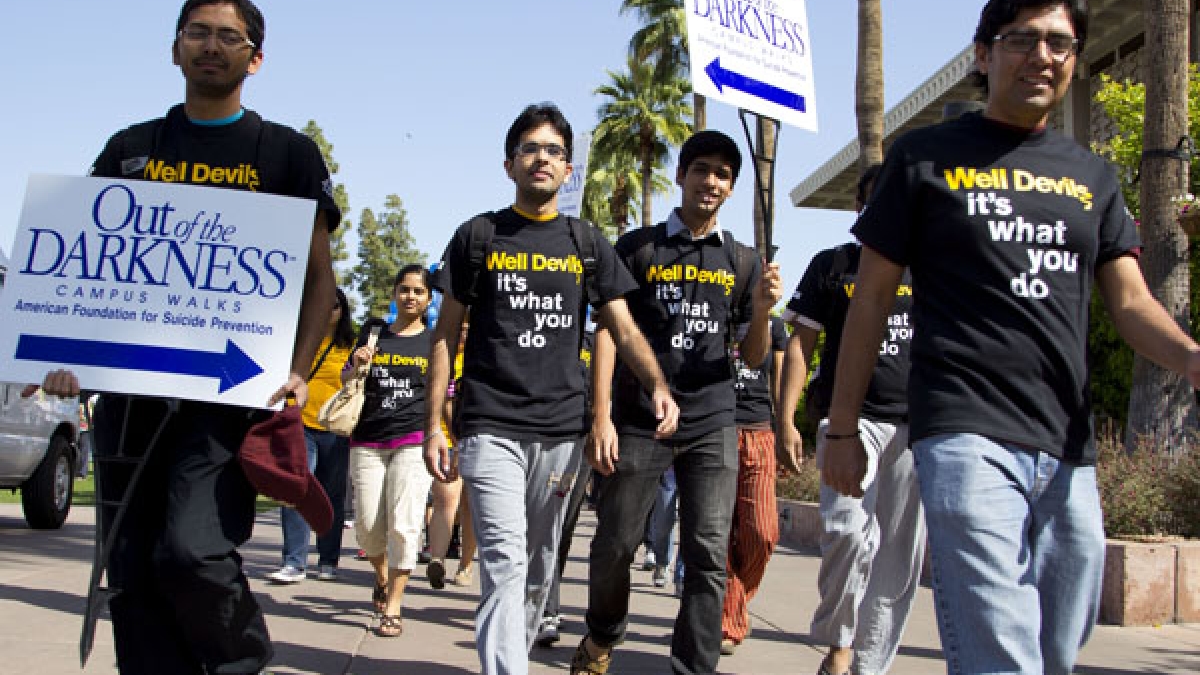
column 275, row 460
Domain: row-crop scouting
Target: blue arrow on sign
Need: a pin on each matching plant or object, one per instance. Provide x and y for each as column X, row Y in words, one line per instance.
column 231, row 368
column 768, row 92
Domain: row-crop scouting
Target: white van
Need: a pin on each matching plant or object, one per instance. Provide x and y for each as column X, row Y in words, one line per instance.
column 39, row 448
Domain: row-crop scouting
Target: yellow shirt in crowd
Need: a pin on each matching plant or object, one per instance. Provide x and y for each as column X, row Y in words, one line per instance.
column 326, row 381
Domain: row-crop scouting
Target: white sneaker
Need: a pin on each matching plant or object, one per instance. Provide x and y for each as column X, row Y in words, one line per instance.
column 548, row 633
column 287, row 575
column 327, row 573
column 660, row 576
column 648, row 563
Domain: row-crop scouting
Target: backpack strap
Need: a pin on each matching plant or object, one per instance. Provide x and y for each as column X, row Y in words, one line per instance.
column 742, row 258
column 479, row 240
column 583, row 234
column 645, row 239
column 138, row 143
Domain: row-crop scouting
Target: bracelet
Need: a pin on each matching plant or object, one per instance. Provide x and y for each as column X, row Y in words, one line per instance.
column 435, row 434
column 839, row 437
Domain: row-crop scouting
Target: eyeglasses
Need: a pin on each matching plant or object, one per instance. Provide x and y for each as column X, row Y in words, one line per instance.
column 226, row 37
column 552, row 150
column 1024, row 42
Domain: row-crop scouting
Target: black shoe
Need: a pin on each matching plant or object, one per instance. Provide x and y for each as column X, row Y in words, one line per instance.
column 436, row 572
column 423, row 556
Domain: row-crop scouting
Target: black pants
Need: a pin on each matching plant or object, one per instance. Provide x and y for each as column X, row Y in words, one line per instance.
column 706, row 475
column 184, row 605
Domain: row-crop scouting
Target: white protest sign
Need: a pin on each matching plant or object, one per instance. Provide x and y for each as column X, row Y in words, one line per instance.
column 155, row 288
column 754, row 54
column 570, row 194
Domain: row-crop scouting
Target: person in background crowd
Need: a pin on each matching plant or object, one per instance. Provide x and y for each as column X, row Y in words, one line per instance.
column 872, row 547
column 450, row 505
column 755, row 528
column 328, row 456
column 390, row 481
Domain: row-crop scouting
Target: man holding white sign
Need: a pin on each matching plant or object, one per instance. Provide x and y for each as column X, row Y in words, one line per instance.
column 183, row 604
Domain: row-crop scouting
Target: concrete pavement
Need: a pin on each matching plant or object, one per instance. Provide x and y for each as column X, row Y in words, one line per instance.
column 323, row 627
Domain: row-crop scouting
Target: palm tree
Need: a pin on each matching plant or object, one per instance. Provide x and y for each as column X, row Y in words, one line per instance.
column 1161, row 405
column 645, row 117
column 868, row 88
column 663, row 39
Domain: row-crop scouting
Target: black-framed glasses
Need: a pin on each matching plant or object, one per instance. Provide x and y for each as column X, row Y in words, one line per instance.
column 1060, row 45
column 226, row 37
column 552, row 150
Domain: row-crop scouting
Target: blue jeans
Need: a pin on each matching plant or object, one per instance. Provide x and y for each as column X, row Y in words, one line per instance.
column 706, row 474
column 662, row 524
column 328, row 459
column 1017, row 545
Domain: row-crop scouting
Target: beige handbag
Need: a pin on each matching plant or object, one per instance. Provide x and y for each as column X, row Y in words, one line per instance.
column 340, row 413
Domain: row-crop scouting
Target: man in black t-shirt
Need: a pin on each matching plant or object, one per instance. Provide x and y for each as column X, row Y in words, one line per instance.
column 871, row 547
column 184, row 605
column 691, row 304
column 522, row 400
column 1003, row 224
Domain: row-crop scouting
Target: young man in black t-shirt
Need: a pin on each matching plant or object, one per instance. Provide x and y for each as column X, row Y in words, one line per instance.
column 687, row 273
column 184, row 605
column 522, row 399
column 1003, row 224
column 871, row 547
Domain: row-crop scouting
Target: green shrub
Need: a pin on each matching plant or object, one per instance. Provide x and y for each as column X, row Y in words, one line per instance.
column 802, row 487
column 1183, row 493
column 1133, row 488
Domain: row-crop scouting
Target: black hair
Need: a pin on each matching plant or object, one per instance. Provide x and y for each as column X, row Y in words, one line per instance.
column 865, row 183
column 710, row 142
column 256, row 27
column 997, row 14
column 343, row 332
column 414, row 268
column 534, row 116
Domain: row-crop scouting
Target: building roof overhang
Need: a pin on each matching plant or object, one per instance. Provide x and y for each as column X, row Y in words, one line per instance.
column 1113, row 26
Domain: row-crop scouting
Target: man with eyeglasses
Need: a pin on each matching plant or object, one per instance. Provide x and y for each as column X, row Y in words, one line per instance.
column 183, row 603
column 1004, row 224
column 526, row 272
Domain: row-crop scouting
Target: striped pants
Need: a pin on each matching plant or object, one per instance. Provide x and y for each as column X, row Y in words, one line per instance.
column 755, row 529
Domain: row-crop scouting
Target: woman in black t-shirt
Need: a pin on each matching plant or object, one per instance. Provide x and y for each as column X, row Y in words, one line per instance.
column 390, row 480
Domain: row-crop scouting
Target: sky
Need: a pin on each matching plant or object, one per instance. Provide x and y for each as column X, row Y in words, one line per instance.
column 416, row 96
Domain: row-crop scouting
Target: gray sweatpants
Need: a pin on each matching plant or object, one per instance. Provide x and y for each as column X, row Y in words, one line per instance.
column 518, row 492
column 883, row 531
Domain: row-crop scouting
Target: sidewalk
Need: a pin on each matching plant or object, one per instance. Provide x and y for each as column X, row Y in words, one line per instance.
column 322, row 627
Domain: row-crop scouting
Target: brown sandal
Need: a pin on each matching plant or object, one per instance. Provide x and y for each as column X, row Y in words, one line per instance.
column 390, row 626
column 379, row 598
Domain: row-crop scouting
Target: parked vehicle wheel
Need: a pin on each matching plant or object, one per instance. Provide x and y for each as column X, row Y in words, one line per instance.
column 46, row 496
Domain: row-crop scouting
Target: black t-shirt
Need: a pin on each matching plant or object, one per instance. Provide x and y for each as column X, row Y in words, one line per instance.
column 682, row 306
column 1003, row 230
column 394, row 391
column 753, row 386
column 250, row 154
column 821, row 301
column 521, row 365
